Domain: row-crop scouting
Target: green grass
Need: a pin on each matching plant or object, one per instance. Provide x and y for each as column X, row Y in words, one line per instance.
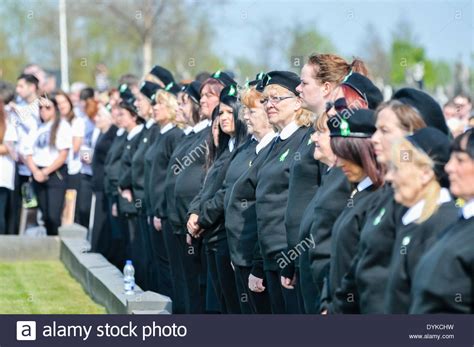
column 42, row 287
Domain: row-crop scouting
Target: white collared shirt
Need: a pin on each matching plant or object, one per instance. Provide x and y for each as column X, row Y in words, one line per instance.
column 187, row 130
column 414, row 212
column 166, row 128
column 231, row 144
column 289, row 130
column 135, row 131
column 364, row 184
column 468, row 209
column 201, row 125
column 120, row 131
column 149, row 123
column 265, row 141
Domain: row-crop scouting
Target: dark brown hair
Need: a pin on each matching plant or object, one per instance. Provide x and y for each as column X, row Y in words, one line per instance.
column 409, row 118
column 57, row 120
column 70, row 116
column 361, row 152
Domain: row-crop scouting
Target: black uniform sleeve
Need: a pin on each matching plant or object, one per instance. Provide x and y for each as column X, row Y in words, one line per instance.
column 125, row 178
column 212, row 210
column 257, row 264
column 346, row 297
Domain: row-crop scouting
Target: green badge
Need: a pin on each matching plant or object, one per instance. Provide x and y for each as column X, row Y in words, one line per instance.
column 406, row 240
column 345, row 130
column 217, row 74
column 309, row 141
column 168, row 86
column 232, row 91
column 250, row 163
column 379, row 217
column 260, row 75
column 284, row 155
column 123, row 87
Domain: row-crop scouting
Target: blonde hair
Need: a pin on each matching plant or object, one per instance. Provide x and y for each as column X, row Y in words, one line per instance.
column 152, row 78
column 303, row 117
column 170, row 101
column 419, row 159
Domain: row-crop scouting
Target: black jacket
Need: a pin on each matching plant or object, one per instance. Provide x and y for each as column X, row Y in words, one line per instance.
column 240, row 214
column 444, row 278
column 345, row 240
column 138, row 167
column 413, row 240
column 112, row 165
column 101, row 150
column 174, row 168
column 125, row 178
column 190, row 171
column 271, row 194
column 159, row 157
column 304, row 181
column 327, row 204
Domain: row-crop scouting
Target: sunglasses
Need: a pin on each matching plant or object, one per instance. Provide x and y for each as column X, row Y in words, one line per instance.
column 339, row 105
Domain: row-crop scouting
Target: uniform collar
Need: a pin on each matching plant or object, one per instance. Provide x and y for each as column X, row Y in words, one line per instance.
column 134, row 132
column 149, row 123
column 201, row 125
column 166, row 128
column 364, row 184
column 289, row 130
column 231, row 144
column 414, row 212
column 265, row 141
column 187, row 130
column 468, row 209
column 120, row 131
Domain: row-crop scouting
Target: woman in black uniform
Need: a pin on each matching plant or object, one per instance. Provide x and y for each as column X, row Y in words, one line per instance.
column 208, row 204
column 100, row 239
column 394, row 119
column 285, row 112
column 444, row 278
column 192, row 287
column 239, row 205
column 144, row 107
column 157, row 159
column 127, row 206
column 419, row 183
column 350, row 132
column 319, row 76
column 189, row 170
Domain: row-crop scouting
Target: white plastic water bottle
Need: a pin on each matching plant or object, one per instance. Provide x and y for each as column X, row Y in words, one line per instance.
column 129, row 278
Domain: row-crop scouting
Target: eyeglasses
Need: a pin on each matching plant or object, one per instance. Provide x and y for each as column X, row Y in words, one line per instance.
column 339, row 105
column 275, row 99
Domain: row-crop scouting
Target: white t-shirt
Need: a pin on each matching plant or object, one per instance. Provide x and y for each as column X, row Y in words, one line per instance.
column 38, row 143
column 74, row 164
column 7, row 173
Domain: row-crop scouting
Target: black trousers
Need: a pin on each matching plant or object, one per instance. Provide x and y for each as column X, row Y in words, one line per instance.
column 308, row 289
column 250, row 302
column 160, row 274
column 13, row 212
column 101, row 235
column 222, row 276
column 193, row 262
column 135, row 248
column 50, row 195
column 4, row 197
column 283, row 301
column 84, row 199
column 118, row 236
column 178, row 281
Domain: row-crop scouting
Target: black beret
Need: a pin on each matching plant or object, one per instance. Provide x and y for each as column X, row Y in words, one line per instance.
column 428, row 108
column 126, row 94
column 352, row 123
column 163, row 74
column 149, row 89
column 285, row 79
column 192, row 89
column 224, row 78
column 256, row 81
column 229, row 94
column 172, row 88
column 437, row 146
column 365, row 88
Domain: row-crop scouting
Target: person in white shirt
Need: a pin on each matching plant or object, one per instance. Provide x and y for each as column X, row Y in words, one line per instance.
column 7, row 163
column 46, row 153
